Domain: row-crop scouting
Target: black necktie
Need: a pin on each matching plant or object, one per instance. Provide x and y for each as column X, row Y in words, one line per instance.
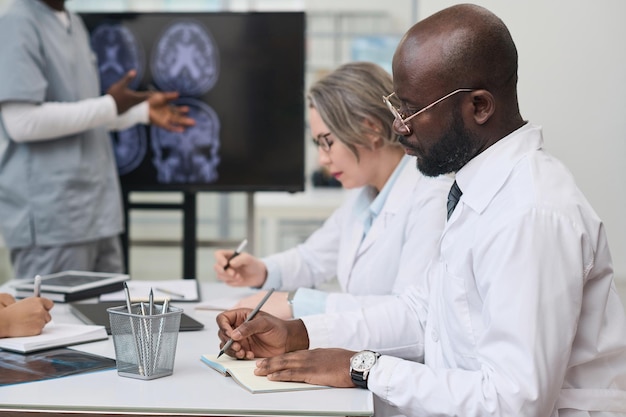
column 453, row 198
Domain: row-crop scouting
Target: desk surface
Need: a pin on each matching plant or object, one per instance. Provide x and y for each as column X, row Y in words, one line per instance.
column 193, row 389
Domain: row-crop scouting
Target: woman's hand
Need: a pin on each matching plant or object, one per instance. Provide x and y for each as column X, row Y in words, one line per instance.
column 244, row 269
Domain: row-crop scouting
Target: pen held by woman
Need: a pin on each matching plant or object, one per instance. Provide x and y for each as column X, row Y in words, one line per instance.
column 37, row 286
column 239, row 249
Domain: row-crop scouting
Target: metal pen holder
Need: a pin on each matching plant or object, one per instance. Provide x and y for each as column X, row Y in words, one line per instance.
column 145, row 344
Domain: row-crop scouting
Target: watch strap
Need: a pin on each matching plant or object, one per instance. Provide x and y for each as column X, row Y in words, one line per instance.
column 359, row 379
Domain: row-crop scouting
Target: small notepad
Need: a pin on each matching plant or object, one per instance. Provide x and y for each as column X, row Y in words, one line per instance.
column 242, row 371
column 54, row 335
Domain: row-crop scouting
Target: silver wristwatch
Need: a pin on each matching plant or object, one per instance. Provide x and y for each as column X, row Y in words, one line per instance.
column 360, row 365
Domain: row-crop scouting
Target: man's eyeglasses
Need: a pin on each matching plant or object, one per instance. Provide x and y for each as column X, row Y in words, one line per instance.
column 399, row 115
column 322, row 142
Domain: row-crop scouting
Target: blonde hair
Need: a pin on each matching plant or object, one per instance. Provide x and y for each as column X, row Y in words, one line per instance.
column 351, row 95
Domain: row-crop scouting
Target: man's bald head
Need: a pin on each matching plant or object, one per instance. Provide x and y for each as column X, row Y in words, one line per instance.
column 461, row 46
column 463, row 49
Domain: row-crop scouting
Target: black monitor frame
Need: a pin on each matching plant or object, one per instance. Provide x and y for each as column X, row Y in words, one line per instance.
column 258, row 99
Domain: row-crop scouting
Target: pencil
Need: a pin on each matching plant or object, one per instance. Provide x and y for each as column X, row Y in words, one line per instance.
column 250, row 317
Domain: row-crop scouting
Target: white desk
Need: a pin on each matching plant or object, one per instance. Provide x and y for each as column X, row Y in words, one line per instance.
column 193, row 389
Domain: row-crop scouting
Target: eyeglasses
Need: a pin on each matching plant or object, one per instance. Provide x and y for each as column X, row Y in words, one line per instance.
column 322, row 142
column 403, row 119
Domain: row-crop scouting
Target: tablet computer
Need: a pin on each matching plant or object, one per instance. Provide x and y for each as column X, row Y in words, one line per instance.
column 96, row 313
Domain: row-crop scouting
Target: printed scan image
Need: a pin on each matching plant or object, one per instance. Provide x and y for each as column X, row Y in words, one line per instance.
column 185, row 59
column 118, row 52
column 191, row 156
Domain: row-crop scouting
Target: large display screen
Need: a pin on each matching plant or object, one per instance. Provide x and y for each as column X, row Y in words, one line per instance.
column 242, row 76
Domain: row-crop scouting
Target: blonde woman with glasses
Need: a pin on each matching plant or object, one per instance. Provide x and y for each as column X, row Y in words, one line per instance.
column 382, row 238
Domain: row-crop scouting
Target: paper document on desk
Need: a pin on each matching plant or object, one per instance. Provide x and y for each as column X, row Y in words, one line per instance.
column 54, row 335
column 175, row 289
column 219, row 304
column 242, row 371
column 228, row 302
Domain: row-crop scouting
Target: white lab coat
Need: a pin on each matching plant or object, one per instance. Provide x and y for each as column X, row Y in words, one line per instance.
column 520, row 316
column 394, row 254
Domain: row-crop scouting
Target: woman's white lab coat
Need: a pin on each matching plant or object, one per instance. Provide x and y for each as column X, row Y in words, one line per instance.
column 393, row 255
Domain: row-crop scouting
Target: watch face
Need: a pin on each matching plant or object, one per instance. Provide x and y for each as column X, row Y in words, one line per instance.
column 363, row 361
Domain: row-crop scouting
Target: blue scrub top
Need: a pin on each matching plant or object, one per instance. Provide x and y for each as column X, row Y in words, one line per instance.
column 59, row 191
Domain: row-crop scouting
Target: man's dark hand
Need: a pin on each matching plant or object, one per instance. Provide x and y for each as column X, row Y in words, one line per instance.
column 263, row 336
column 124, row 97
column 318, row 366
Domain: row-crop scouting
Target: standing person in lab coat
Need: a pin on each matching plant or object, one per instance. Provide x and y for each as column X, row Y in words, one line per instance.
column 381, row 239
column 519, row 315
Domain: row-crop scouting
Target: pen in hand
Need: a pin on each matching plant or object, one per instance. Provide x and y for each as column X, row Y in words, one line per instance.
column 37, row 286
column 239, row 249
column 250, row 317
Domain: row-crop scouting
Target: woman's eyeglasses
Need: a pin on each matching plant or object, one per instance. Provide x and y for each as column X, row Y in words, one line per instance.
column 322, row 142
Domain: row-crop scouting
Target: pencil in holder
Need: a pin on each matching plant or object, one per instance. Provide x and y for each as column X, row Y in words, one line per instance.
column 145, row 344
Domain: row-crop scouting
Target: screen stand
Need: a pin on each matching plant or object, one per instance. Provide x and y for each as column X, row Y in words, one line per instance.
column 190, row 242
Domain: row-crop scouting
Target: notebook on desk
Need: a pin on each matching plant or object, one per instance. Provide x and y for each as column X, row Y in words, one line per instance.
column 97, row 314
column 54, row 335
column 242, row 371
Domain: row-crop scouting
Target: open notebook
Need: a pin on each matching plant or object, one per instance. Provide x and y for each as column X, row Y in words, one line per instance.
column 242, row 371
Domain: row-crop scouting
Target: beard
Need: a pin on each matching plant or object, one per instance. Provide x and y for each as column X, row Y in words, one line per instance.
column 455, row 148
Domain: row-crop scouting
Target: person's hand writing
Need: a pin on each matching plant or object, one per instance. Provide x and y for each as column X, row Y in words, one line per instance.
column 276, row 305
column 244, row 271
column 318, row 366
column 124, row 97
column 6, row 299
column 167, row 116
column 263, row 336
column 25, row 317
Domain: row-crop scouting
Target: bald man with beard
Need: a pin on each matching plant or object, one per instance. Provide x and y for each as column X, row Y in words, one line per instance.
column 520, row 316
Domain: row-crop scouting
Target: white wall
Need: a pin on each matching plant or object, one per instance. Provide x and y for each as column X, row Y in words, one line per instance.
column 572, row 81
